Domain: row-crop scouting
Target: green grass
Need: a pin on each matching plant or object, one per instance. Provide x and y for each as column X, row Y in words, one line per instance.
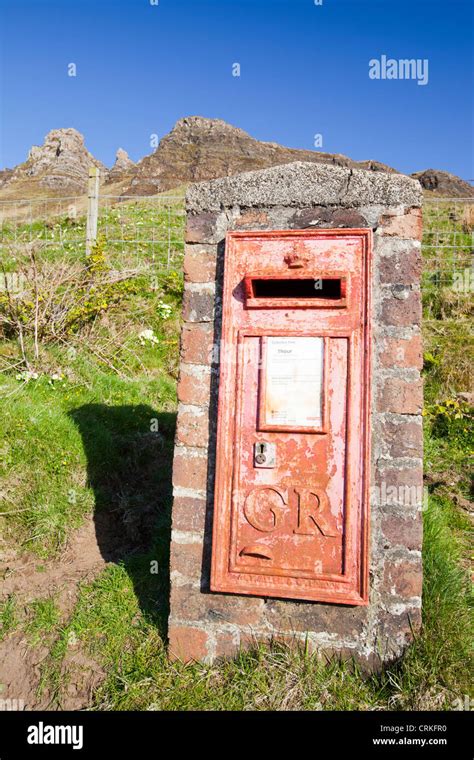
column 447, row 279
column 127, row 638
column 8, row 616
column 81, row 433
column 45, row 616
column 139, row 233
column 46, row 430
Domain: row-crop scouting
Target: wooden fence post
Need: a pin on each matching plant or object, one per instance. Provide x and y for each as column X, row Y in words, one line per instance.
column 92, row 208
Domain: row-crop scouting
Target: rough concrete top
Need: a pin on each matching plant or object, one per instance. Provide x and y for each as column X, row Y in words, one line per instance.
column 304, row 184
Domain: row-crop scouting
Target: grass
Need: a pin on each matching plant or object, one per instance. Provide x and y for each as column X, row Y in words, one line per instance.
column 148, row 233
column 45, row 616
column 449, row 353
column 46, row 430
column 93, row 433
column 437, row 664
column 113, row 627
column 447, row 257
column 79, row 428
column 8, row 616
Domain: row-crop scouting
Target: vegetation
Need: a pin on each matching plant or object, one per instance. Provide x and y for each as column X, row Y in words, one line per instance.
column 87, row 428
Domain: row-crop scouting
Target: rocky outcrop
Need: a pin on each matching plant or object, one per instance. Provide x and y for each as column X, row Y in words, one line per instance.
column 60, row 164
column 200, row 149
column 123, row 168
column 5, row 176
column 444, row 183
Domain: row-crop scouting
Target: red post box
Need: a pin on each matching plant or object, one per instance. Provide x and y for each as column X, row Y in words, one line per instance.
column 292, row 472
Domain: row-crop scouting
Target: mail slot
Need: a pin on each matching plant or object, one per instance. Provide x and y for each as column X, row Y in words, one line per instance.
column 277, row 291
column 291, row 512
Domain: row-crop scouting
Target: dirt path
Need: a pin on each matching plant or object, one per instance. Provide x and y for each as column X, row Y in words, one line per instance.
column 29, row 579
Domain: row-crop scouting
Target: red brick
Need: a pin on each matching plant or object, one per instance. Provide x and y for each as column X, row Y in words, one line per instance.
column 403, row 487
column 326, row 217
column 197, row 344
column 189, row 514
column 401, row 478
column 198, row 306
column 251, row 220
column 403, row 578
column 402, row 268
column 186, row 559
column 401, row 352
column 189, row 471
column 201, row 228
column 407, row 226
column 403, row 439
column 294, row 617
column 403, row 531
column 199, row 264
column 402, row 312
column 193, row 389
column 190, row 602
column 400, row 396
column 391, row 626
column 193, row 429
column 225, row 645
column 187, row 643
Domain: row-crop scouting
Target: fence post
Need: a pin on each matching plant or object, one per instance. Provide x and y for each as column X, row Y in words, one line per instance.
column 92, row 208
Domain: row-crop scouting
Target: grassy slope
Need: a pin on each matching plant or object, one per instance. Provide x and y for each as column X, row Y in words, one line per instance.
column 88, row 442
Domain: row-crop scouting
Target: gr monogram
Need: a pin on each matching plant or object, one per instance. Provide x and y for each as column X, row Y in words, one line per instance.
column 306, row 511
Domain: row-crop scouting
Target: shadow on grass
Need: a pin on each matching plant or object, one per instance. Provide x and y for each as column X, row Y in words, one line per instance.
column 129, row 452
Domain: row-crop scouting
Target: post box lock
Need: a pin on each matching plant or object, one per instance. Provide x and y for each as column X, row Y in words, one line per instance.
column 264, row 454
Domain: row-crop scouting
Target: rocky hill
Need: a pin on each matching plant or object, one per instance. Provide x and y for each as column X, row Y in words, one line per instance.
column 196, row 149
column 444, row 183
column 123, row 169
column 60, row 166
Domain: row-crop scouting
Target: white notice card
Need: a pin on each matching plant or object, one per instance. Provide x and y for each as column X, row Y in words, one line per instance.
column 294, row 382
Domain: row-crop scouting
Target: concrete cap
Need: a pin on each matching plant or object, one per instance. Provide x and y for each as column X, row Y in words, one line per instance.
column 302, row 184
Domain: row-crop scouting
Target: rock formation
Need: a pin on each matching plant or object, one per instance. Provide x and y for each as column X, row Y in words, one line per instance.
column 199, row 149
column 123, row 168
column 444, row 183
column 61, row 164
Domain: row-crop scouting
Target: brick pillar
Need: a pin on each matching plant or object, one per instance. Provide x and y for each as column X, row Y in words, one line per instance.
column 205, row 625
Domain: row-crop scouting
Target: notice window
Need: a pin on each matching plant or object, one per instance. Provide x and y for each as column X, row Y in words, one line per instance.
column 292, row 383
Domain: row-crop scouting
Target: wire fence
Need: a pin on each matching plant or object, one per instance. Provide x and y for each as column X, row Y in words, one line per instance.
column 448, row 242
column 137, row 231
column 148, row 232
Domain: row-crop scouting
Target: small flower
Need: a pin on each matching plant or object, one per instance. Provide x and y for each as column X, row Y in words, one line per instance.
column 164, row 310
column 147, row 336
column 27, row 375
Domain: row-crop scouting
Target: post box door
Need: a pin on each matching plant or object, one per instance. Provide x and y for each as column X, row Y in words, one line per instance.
column 291, row 494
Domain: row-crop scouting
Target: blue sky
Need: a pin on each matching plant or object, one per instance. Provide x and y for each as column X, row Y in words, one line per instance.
column 304, row 71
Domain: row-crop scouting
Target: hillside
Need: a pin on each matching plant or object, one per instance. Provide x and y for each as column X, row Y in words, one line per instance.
column 199, row 149
column 196, row 149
